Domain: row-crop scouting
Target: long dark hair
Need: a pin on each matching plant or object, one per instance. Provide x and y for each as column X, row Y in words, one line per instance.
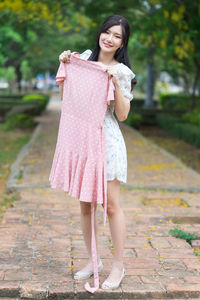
column 121, row 55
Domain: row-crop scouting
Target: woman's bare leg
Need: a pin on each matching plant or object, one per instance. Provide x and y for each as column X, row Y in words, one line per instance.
column 86, row 229
column 117, row 228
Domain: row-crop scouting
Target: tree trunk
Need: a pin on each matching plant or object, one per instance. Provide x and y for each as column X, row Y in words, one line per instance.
column 150, row 71
column 186, row 84
column 19, row 77
column 150, row 79
column 195, row 84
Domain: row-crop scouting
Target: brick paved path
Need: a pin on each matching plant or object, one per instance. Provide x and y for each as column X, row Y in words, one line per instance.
column 41, row 241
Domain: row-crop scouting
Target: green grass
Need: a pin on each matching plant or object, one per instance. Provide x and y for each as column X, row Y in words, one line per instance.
column 11, row 143
column 6, row 201
column 187, row 236
column 10, row 146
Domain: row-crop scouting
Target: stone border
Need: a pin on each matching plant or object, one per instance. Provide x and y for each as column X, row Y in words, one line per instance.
column 15, row 169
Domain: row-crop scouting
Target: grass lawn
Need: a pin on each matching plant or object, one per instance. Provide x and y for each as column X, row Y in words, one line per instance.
column 11, row 143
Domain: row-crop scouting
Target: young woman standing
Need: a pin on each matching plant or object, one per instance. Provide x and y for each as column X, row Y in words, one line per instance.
column 111, row 50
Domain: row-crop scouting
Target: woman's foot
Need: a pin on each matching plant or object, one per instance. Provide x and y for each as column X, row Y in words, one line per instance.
column 87, row 271
column 115, row 277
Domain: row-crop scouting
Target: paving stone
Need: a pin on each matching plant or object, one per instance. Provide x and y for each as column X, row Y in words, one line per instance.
column 41, row 238
column 192, row 290
column 33, row 290
column 9, row 288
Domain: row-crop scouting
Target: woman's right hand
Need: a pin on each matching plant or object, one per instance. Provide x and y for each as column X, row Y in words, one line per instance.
column 65, row 56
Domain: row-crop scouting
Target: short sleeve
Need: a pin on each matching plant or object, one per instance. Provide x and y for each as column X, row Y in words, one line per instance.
column 125, row 77
column 61, row 74
column 86, row 54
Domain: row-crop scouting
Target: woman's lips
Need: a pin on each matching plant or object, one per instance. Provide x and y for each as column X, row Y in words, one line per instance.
column 107, row 45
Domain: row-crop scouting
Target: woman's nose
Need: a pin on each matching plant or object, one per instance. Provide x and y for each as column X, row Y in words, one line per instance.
column 109, row 37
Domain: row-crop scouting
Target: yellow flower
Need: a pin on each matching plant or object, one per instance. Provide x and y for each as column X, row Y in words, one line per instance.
column 166, row 14
column 163, row 43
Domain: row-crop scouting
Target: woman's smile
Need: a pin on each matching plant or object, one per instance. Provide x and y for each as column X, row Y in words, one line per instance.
column 107, row 45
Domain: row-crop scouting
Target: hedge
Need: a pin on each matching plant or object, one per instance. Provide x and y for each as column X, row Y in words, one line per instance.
column 177, row 101
column 185, row 131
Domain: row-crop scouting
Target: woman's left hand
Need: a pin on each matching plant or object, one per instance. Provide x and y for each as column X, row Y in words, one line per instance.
column 112, row 72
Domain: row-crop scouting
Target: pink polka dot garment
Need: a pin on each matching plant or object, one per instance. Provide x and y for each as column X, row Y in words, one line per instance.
column 115, row 145
column 79, row 163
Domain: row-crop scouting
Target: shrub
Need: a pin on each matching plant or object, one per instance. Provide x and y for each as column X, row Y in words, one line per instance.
column 188, row 132
column 18, row 121
column 41, row 99
column 193, row 118
column 177, row 101
column 134, row 120
column 138, row 103
column 32, row 97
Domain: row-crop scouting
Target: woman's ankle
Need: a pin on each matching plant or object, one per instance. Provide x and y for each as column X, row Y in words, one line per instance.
column 118, row 263
column 90, row 259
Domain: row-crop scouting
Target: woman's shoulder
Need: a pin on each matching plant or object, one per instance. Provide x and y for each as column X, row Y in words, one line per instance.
column 86, row 54
column 125, row 71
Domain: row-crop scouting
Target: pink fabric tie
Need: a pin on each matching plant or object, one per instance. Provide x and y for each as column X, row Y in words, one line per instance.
column 93, row 240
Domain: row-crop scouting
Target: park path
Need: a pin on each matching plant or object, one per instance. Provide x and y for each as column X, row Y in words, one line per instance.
column 41, row 241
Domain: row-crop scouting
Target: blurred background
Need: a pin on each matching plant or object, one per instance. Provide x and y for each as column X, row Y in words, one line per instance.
column 164, row 50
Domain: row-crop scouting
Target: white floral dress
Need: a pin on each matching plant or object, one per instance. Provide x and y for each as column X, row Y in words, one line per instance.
column 115, row 146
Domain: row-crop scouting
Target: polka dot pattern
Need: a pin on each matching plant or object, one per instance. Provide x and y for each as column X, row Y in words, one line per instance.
column 79, row 163
column 116, row 153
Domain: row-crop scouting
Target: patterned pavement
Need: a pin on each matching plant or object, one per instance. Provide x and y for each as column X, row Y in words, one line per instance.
column 41, row 240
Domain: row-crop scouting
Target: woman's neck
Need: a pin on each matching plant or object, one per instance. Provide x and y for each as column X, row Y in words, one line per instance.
column 106, row 58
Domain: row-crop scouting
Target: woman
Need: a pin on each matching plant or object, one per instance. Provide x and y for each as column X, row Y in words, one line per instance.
column 111, row 50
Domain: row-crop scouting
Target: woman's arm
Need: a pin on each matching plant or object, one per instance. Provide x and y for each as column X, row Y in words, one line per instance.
column 122, row 107
column 61, row 91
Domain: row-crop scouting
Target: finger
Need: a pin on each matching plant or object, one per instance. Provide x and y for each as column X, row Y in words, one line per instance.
column 61, row 57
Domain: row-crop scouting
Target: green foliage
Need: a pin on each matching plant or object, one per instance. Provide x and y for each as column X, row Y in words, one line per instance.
column 197, row 253
column 9, row 97
column 193, row 118
column 18, row 121
column 176, row 101
column 41, row 99
column 10, row 73
column 12, row 142
column 26, row 70
column 178, row 233
column 134, row 120
column 32, row 97
column 188, row 132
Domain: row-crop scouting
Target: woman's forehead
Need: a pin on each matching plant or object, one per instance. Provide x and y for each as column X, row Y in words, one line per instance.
column 116, row 29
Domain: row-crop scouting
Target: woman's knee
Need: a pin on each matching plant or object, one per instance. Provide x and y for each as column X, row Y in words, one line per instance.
column 113, row 209
column 113, row 198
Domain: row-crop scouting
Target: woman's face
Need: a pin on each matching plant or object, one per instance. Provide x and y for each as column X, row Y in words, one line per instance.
column 111, row 40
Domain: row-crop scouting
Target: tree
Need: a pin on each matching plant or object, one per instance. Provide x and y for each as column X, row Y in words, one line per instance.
column 31, row 30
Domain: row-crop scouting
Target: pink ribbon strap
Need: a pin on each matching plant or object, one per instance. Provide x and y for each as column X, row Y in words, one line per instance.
column 94, row 255
column 93, row 240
